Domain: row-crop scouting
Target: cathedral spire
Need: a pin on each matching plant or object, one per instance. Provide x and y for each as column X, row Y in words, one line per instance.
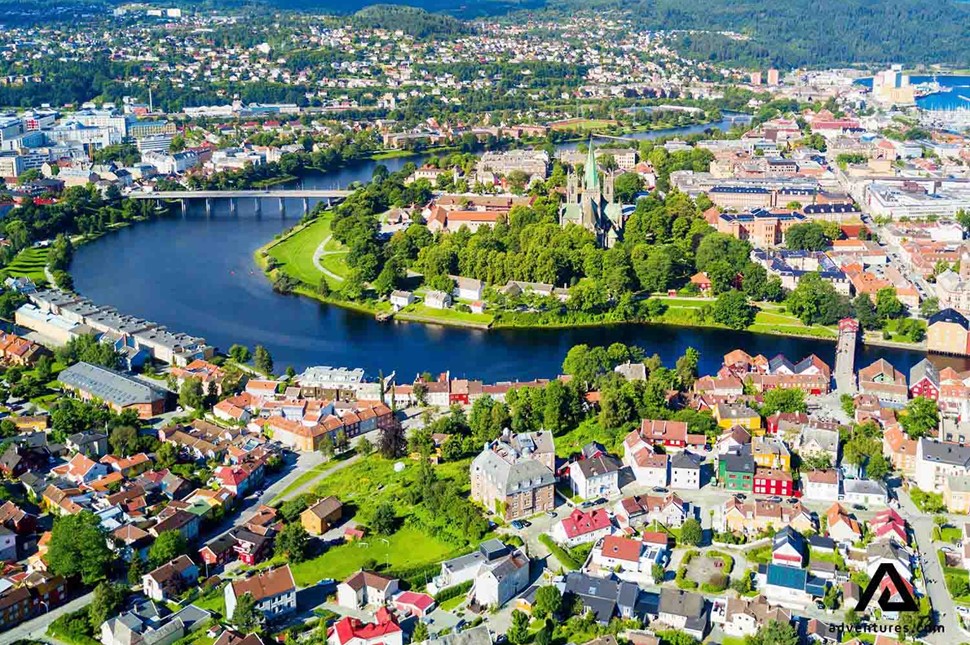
column 591, row 179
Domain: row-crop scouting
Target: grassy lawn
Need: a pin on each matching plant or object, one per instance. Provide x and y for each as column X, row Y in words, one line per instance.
column 295, row 252
column 30, row 263
column 373, row 480
column 589, row 430
column 214, row 601
column 303, row 479
column 584, row 124
column 453, row 603
column 404, row 549
column 732, row 640
column 950, row 534
column 419, row 312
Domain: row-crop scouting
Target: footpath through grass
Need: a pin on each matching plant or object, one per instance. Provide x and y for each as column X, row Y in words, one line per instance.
column 294, row 253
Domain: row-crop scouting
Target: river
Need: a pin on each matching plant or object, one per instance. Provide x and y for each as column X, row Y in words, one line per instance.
column 196, row 274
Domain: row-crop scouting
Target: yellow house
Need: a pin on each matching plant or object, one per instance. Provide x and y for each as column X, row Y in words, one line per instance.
column 956, row 494
column 729, row 415
column 771, row 452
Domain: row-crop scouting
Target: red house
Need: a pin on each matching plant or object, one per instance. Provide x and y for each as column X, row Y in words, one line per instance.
column 770, row 481
column 924, row 380
column 670, row 434
column 250, row 547
column 219, row 551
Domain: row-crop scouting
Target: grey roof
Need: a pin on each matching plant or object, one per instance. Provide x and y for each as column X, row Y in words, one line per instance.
column 864, row 487
column 529, row 443
column 108, row 385
column 739, row 462
column 827, row 440
column 924, row 369
column 513, row 476
column 598, row 466
column 681, row 603
column 684, row 461
column 945, row 453
column 478, row 635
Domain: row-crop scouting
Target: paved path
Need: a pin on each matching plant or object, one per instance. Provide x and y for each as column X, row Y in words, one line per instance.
column 319, row 253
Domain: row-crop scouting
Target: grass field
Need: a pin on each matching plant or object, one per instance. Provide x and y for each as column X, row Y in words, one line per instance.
column 419, row 312
column 589, row 430
column 302, row 480
column 30, row 263
column 398, row 551
column 583, row 124
column 295, row 252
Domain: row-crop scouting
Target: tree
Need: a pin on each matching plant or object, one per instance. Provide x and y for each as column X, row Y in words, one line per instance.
column 105, row 603
column 167, row 546
column 784, row 399
column 691, row 533
column 626, row 187
column 167, row 455
column 136, row 569
column 392, row 442
column 877, row 467
column 245, row 616
column 124, row 440
column 809, row 236
column 262, row 360
column 888, row 306
column 519, row 629
column 733, row 310
column 921, row 417
column 658, row 573
column 774, row 633
column 851, row 618
column 384, row 520
column 191, row 394
column 420, row 633
column 78, row 548
column 686, row 367
column 865, row 311
column 548, row 602
column 327, row 445
column 816, row 302
column 364, row 446
column 913, row 623
column 239, row 353
column 929, row 307
column 294, row 542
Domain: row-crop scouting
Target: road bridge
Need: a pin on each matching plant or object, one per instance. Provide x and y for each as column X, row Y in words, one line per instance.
column 331, row 196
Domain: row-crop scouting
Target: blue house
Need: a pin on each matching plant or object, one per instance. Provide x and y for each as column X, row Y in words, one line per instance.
column 133, row 357
column 791, row 587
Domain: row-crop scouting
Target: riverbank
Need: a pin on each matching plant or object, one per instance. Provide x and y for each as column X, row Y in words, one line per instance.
column 296, row 255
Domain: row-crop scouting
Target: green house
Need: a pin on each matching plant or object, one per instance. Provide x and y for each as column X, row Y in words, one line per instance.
column 735, row 471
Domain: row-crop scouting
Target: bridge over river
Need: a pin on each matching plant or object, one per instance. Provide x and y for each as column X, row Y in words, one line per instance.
column 331, row 196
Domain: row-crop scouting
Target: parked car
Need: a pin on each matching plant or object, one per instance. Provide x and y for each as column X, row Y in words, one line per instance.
column 774, row 499
column 517, row 525
column 551, row 513
column 659, row 489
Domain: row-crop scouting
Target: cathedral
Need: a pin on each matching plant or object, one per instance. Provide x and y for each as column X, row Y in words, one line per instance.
column 591, row 204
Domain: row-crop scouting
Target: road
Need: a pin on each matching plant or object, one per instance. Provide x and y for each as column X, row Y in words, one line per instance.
column 946, row 615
